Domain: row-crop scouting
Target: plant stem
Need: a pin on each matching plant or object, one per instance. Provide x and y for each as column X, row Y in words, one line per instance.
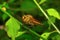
column 13, row 38
column 6, row 13
column 46, row 16
column 32, row 31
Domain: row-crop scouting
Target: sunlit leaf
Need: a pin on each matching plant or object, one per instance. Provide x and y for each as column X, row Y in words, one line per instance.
column 12, row 27
column 53, row 12
column 45, row 35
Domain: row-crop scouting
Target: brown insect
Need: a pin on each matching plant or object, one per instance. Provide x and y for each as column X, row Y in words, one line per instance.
column 29, row 19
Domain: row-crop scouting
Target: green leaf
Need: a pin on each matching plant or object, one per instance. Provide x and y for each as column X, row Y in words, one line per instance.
column 28, row 5
column 45, row 35
column 12, row 27
column 42, row 1
column 53, row 12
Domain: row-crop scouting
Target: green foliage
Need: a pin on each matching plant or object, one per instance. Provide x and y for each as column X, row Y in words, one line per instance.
column 45, row 35
column 53, row 12
column 54, row 36
column 42, row 1
column 53, row 19
column 12, row 27
column 4, row 17
column 27, row 37
column 28, row 5
column 15, row 29
column 11, row 1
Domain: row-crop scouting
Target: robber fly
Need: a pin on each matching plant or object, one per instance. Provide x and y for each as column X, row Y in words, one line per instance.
column 29, row 19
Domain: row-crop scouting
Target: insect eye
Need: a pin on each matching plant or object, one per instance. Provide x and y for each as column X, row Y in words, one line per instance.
column 23, row 17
